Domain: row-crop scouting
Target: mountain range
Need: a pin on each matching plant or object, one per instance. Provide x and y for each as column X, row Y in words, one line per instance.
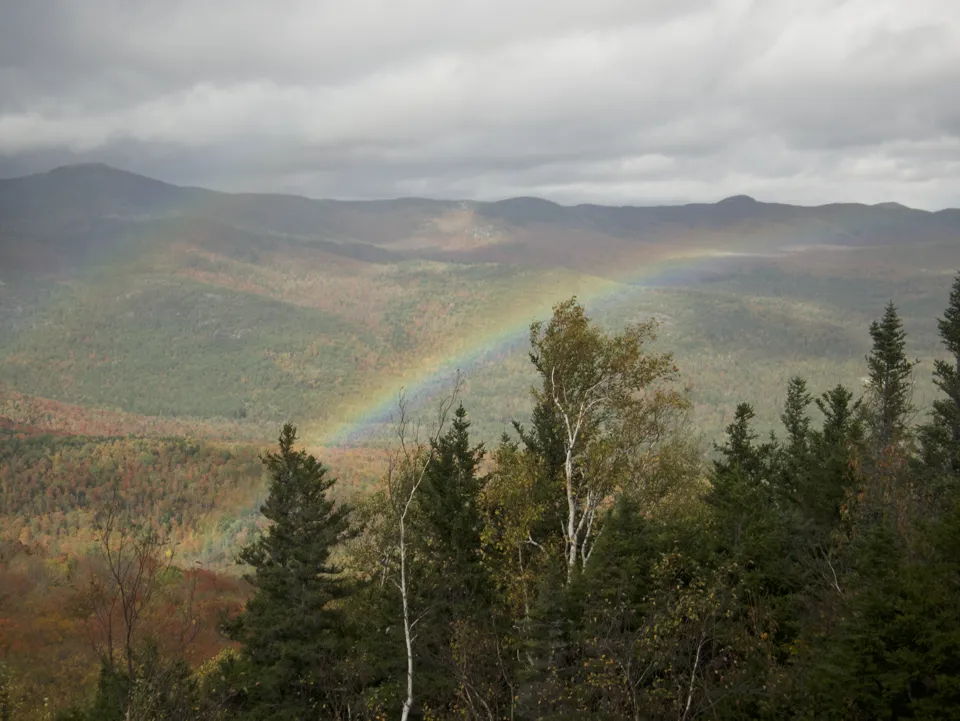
column 146, row 307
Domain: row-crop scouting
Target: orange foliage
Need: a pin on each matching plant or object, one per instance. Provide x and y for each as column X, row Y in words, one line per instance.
column 45, row 626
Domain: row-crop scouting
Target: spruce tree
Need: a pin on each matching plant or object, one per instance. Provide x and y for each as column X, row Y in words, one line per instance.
column 740, row 453
column 889, row 386
column 940, row 437
column 453, row 584
column 741, row 478
column 611, row 605
column 450, row 504
column 755, row 548
column 544, row 442
column 840, row 416
column 894, row 653
column 794, row 418
column 794, row 461
column 832, row 448
column 291, row 630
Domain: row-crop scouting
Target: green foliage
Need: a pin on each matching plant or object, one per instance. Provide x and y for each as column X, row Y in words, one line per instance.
column 450, row 511
column 176, row 347
column 940, row 437
column 895, row 650
column 161, row 688
column 888, row 370
column 804, row 574
column 834, row 448
column 291, row 629
column 452, row 583
column 739, row 453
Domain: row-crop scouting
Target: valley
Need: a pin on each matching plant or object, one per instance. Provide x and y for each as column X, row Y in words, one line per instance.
column 129, row 306
column 154, row 339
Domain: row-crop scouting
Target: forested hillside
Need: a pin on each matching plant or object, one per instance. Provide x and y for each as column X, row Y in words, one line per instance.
column 464, row 361
column 224, row 315
column 583, row 550
column 591, row 563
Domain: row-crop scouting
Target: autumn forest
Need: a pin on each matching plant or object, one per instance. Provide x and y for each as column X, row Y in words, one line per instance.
column 587, row 564
column 263, row 457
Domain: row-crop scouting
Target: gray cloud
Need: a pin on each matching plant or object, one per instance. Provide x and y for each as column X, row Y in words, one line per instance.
column 619, row 101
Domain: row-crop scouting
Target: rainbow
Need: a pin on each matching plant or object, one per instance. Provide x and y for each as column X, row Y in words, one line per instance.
column 502, row 330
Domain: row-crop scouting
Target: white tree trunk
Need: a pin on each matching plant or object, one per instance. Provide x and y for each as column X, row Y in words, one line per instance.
column 407, row 627
column 402, row 508
column 571, row 515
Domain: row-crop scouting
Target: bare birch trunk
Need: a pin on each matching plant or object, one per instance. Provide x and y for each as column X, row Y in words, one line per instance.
column 571, row 516
column 396, row 486
column 407, row 628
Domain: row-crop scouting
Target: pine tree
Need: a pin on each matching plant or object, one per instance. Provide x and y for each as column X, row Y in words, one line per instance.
column 291, row 630
column 794, row 460
column 755, row 550
column 889, row 386
column 611, row 609
column 832, row 449
column 795, row 419
column 453, row 586
column 741, row 478
column 940, row 437
column 840, row 416
column 450, row 506
column 544, row 441
column 895, row 651
column 740, row 453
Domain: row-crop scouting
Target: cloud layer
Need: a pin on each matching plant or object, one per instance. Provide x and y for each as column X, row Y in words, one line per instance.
column 613, row 101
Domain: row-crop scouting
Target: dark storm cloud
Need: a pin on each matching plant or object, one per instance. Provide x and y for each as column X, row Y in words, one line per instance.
column 608, row 101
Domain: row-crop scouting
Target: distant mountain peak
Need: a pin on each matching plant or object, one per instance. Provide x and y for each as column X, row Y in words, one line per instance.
column 79, row 167
column 97, row 173
column 529, row 200
column 738, row 200
column 891, row 204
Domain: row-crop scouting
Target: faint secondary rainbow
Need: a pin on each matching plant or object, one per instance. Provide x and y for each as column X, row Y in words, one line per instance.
column 503, row 329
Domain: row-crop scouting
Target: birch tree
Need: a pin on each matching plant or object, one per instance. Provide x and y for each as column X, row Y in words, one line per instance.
column 406, row 470
column 614, row 406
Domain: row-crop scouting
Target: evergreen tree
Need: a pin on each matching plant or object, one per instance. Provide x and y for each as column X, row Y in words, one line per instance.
column 291, row 630
column 840, row 416
column 940, row 438
column 453, row 586
column 742, row 495
column 740, row 452
column 611, row 607
column 833, row 449
column 895, row 651
column 793, row 478
column 795, row 419
column 545, row 439
column 754, row 573
column 544, row 442
column 450, row 508
column 889, row 385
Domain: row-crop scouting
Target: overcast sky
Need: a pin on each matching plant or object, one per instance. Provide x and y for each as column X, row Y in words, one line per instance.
column 610, row 101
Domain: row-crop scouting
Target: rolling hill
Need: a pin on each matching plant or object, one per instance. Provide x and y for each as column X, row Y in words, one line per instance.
column 127, row 293
column 131, row 306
